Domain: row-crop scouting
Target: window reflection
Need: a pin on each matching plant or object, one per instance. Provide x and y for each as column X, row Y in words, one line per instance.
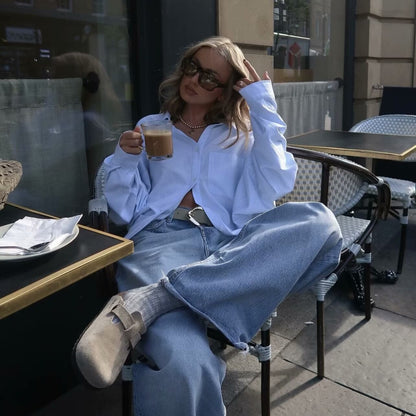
column 302, row 39
column 55, row 42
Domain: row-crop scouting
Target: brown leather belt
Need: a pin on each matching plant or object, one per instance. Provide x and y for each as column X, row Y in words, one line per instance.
column 196, row 215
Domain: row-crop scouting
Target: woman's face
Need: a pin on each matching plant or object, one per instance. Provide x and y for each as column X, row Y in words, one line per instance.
column 207, row 64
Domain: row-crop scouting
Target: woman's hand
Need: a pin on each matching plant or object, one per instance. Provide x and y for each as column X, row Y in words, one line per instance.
column 243, row 82
column 131, row 141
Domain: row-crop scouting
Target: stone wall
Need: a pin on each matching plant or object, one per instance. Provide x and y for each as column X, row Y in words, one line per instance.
column 249, row 24
column 384, row 51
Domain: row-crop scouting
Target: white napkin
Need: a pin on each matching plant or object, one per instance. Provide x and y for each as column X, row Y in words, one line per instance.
column 30, row 231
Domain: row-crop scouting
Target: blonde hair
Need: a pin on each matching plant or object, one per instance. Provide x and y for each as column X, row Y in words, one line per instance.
column 232, row 108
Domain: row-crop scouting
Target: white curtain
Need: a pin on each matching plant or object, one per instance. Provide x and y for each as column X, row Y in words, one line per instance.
column 42, row 126
column 306, row 106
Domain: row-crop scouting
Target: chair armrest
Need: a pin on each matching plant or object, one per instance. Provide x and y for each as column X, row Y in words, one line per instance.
column 98, row 214
column 335, row 161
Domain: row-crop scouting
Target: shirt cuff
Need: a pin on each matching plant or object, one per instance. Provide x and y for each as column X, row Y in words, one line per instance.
column 120, row 157
column 260, row 95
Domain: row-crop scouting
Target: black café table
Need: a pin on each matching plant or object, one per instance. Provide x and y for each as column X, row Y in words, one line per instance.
column 45, row 304
column 24, row 282
column 365, row 145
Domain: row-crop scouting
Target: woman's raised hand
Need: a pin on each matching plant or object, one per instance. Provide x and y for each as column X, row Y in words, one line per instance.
column 131, row 141
column 243, row 82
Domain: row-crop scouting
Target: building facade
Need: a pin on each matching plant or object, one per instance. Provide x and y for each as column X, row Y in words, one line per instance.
column 384, row 52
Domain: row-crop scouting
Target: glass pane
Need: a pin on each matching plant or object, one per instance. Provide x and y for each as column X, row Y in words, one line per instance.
column 309, row 47
column 308, row 40
column 66, row 92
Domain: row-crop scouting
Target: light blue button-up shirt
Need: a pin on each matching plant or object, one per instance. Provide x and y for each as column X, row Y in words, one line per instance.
column 233, row 184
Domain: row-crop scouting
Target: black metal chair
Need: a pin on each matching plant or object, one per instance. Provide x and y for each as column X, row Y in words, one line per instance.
column 336, row 182
column 340, row 184
column 402, row 191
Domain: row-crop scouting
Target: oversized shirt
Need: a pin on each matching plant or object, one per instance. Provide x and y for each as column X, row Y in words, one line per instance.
column 232, row 183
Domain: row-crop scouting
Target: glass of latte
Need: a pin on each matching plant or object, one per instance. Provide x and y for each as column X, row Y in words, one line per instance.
column 158, row 139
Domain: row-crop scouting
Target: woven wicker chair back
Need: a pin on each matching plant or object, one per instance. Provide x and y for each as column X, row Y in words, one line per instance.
column 398, row 124
column 345, row 188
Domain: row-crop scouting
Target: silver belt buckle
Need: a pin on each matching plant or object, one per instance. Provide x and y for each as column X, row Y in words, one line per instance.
column 191, row 218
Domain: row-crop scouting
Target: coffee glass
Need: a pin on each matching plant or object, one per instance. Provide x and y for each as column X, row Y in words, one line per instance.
column 158, row 139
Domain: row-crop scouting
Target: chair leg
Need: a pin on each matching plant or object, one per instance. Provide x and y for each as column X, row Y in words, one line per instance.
column 404, row 219
column 367, row 291
column 320, row 289
column 263, row 353
column 265, row 374
column 127, row 399
column 127, row 388
column 367, row 279
column 320, row 338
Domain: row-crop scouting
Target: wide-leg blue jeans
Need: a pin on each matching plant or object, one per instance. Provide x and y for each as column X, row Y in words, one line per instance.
column 234, row 282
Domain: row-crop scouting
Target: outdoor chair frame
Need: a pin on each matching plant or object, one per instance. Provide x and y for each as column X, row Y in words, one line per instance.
column 340, row 184
column 402, row 191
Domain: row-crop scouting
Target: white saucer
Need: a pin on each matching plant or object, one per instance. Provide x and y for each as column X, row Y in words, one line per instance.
column 47, row 250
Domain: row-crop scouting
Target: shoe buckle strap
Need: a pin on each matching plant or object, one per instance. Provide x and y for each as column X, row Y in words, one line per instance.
column 130, row 324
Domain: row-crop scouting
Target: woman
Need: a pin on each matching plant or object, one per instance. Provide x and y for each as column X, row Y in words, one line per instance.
column 231, row 263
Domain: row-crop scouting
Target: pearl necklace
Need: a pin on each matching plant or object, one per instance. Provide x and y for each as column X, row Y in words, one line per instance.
column 193, row 128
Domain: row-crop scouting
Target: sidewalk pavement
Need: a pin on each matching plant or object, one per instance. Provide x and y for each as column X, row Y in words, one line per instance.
column 370, row 367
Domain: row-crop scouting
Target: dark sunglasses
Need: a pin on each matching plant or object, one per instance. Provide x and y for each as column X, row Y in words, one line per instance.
column 206, row 79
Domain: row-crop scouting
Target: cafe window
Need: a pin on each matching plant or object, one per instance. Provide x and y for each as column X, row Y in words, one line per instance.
column 66, row 95
column 308, row 57
column 307, row 47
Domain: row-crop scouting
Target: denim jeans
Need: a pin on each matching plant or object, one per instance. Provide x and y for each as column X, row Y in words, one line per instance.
column 234, row 282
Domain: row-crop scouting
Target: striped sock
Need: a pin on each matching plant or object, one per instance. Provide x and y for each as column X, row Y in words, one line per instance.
column 150, row 301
